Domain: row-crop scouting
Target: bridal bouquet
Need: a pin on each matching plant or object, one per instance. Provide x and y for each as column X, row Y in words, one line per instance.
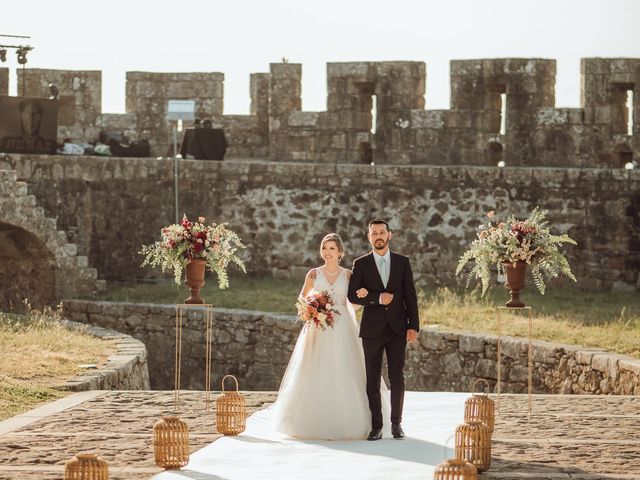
column 180, row 243
column 317, row 310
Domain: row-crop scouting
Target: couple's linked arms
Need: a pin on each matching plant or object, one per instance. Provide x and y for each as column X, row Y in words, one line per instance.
column 356, row 286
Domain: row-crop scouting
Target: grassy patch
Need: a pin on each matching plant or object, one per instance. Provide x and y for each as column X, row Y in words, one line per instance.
column 246, row 292
column 39, row 353
column 17, row 397
column 609, row 320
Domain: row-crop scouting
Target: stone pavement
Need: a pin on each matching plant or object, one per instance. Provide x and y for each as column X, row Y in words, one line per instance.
column 578, row 437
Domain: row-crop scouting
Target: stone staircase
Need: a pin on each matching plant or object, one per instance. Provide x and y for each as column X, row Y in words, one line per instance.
column 20, row 209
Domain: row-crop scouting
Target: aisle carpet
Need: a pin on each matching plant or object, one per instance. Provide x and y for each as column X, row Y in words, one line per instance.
column 430, row 419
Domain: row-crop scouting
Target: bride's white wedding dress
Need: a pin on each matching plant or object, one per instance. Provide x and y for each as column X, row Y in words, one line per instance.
column 323, row 391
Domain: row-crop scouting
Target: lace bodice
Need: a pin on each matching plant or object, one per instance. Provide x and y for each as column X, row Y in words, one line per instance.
column 338, row 290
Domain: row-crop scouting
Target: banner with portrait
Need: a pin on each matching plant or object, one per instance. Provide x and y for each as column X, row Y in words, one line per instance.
column 28, row 125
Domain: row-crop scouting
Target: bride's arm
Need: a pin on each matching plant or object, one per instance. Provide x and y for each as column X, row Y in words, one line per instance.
column 308, row 283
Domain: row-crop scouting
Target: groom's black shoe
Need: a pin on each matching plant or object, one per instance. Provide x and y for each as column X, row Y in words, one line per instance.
column 396, row 431
column 375, row 434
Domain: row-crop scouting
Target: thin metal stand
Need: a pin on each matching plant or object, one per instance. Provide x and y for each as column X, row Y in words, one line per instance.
column 208, row 317
column 529, row 355
column 175, row 171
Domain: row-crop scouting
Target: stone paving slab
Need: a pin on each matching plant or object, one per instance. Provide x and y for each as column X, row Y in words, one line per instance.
column 567, row 437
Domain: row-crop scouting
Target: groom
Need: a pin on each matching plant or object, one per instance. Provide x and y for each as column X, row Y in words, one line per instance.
column 389, row 320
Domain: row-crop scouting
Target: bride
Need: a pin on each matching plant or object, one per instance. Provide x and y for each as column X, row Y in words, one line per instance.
column 323, row 391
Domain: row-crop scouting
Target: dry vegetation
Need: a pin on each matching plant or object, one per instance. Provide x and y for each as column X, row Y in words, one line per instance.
column 38, row 354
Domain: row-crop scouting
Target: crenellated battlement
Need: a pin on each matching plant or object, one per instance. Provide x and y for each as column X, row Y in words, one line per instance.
column 501, row 110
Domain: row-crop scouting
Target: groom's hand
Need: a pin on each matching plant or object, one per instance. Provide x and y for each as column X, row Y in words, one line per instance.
column 385, row 298
column 412, row 335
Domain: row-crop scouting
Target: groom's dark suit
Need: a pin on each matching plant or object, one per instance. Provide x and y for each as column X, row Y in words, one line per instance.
column 384, row 327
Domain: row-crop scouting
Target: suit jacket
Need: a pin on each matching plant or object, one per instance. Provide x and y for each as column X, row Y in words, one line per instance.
column 401, row 313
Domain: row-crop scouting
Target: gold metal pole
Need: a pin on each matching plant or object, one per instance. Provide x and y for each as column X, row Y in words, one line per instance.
column 178, row 359
column 207, row 315
column 498, row 355
column 529, row 355
column 530, row 360
column 209, row 335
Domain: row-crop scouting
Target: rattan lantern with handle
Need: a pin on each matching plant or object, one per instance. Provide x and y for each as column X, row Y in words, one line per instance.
column 473, row 443
column 455, row 469
column 86, row 466
column 480, row 407
column 231, row 410
column 171, row 443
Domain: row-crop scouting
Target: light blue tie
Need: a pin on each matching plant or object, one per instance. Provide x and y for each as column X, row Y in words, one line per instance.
column 382, row 267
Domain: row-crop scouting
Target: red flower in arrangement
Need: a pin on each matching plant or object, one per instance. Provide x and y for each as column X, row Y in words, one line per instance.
column 191, row 240
column 521, row 230
column 317, row 310
column 513, row 241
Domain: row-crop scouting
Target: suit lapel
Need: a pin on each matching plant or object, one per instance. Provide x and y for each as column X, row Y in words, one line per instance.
column 372, row 261
column 395, row 268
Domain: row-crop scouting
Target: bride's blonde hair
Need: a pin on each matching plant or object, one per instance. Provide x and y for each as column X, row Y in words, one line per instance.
column 333, row 237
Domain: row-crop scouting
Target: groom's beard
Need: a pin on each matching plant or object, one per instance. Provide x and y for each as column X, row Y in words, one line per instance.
column 380, row 244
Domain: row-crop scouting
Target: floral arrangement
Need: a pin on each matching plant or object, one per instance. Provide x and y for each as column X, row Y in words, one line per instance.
column 514, row 241
column 317, row 310
column 186, row 241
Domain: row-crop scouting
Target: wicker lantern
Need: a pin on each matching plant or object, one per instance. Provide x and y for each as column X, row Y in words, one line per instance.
column 86, row 466
column 473, row 443
column 455, row 469
column 231, row 411
column 480, row 408
column 171, row 443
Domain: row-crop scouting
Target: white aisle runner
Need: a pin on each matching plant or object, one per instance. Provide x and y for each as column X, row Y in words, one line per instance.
column 262, row 454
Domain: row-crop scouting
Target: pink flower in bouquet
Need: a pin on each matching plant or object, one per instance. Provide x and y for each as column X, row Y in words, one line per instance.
column 317, row 310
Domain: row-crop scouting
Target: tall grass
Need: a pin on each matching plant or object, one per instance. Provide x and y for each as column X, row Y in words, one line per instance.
column 38, row 352
column 608, row 320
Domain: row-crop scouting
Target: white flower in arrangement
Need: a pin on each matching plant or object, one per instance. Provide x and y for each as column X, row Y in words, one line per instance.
column 329, row 306
column 181, row 243
column 513, row 241
column 322, row 317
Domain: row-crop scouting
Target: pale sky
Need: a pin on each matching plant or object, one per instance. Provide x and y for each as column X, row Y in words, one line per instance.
column 239, row 37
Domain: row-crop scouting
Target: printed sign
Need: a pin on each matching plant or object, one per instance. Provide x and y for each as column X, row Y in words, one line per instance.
column 28, row 125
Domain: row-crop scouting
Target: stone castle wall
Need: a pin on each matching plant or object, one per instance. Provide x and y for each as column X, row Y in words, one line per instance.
column 256, row 346
column 469, row 133
column 109, row 207
column 79, row 101
column 4, row 81
column 37, row 262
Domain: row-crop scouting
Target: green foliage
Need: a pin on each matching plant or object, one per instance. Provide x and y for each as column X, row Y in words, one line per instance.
column 186, row 241
column 515, row 241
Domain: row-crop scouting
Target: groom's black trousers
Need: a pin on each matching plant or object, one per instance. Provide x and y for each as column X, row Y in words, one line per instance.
column 395, row 346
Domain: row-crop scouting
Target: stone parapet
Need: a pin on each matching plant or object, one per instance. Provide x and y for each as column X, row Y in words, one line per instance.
column 125, row 370
column 256, row 346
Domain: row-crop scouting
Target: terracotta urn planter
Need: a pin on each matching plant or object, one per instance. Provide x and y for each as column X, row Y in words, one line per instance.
column 515, row 282
column 194, row 273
